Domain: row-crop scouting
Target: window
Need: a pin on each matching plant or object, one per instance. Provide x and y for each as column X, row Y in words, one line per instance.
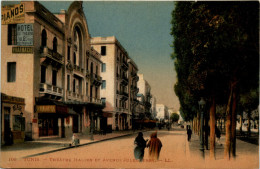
column 103, row 50
column 54, row 77
column 44, row 38
column 43, row 74
column 103, row 86
column 103, row 100
column 103, row 67
column 96, row 70
column 96, row 92
column 55, row 44
column 11, row 71
column 12, row 36
column 74, row 58
column 87, row 64
column 68, row 82
column 74, row 85
column 68, row 54
column 116, row 102
column 87, row 89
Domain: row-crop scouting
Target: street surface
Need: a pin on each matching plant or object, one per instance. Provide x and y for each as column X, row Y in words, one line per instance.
column 118, row 153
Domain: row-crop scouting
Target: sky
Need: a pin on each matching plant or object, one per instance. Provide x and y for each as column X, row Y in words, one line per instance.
column 143, row 29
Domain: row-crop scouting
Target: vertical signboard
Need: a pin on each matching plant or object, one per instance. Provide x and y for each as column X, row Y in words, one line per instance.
column 12, row 14
column 24, row 34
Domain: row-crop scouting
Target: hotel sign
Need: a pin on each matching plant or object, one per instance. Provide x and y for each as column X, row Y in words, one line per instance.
column 24, row 34
column 22, row 49
column 13, row 14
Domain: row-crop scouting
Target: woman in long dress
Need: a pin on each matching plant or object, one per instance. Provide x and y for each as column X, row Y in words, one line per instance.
column 155, row 146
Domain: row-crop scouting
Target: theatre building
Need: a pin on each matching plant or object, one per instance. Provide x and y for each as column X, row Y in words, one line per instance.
column 47, row 64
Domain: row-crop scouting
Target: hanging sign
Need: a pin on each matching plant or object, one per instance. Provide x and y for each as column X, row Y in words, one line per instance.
column 13, row 14
column 24, row 34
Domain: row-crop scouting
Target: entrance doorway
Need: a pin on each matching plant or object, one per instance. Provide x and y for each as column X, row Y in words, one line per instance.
column 7, row 127
column 75, row 124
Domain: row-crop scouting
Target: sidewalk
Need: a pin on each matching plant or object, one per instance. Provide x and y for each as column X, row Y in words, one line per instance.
column 48, row 145
column 247, row 154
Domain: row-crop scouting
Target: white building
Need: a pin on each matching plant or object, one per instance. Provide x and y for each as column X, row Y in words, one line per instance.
column 162, row 111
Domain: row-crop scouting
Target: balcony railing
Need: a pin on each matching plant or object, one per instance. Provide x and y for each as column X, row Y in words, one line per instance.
column 96, row 79
column 50, row 89
column 87, row 73
column 125, row 65
column 133, row 74
column 78, row 68
column 50, row 53
column 95, row 100
column 75, row 96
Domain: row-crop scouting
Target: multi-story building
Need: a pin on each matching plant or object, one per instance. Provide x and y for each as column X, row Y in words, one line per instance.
column 47, row 60
column 162, row 112
column 145, row 90
column 117, row 80
column 153, row 108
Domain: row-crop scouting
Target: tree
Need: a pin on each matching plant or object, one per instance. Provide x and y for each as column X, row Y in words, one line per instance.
column 216, row 55
column 174, row 117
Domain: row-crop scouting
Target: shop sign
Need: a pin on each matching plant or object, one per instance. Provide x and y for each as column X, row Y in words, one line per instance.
column 34, row 120
column 22, row 49
column 13, row 14
column 46, row 108
column 24, row 34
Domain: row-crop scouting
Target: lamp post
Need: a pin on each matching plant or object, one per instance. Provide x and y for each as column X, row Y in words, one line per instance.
column 201, row 108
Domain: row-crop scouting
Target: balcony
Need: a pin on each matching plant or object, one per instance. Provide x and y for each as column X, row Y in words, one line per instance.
column 134, row 88
column 74, row 96
column 96, row 79
column 95, row 100
column 87, row 74
column 124, row 80
column 124, row 95
column 133, row 74
column 51, row 57
column 124, row 65
column 50, row 89
column 78, row 69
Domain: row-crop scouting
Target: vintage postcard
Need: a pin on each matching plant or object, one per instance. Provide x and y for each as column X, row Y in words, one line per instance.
column 129, row 84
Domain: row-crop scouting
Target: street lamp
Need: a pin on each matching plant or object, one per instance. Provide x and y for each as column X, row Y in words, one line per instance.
column 201, row 108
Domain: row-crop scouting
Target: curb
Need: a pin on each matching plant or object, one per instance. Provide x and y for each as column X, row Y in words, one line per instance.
column 65, row 148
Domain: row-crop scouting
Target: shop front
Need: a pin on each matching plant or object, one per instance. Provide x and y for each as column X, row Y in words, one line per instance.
column 51, row 119
column 13, row 120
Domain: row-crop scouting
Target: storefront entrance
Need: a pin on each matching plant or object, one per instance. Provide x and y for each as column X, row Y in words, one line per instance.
column 48, row 125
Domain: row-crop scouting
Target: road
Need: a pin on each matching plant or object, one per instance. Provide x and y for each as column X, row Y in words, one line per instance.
column 118, row 153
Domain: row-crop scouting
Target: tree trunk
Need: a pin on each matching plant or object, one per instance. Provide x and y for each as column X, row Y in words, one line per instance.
column 228, row 126
column 206, row 130
column 212, row 127
column 221, row 124
column 233, row 124
column 198, row 124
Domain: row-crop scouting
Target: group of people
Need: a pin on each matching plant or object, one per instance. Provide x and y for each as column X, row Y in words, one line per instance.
column 154, row 145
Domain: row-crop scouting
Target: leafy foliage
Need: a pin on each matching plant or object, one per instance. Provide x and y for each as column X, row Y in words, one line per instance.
column 174, row 117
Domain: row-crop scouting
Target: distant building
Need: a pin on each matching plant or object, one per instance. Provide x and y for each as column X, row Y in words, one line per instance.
column 153, row 108
column 162, row 112
column 145, row 90
column 119, row 83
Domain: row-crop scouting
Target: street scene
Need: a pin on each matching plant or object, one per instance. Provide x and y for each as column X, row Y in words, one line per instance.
column 150, row 84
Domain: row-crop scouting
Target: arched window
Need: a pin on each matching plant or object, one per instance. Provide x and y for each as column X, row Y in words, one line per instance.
column 74, row 58
column 55, row 44
column 44, row 38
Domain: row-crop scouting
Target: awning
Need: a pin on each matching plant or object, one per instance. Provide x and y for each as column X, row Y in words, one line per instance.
column 51, row 106
column 107, row 114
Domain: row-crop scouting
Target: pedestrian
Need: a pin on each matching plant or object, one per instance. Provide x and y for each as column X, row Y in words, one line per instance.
column 218, row 135
column 189, row 132
column 155, row 146
column 140, row 146
column 75, row 140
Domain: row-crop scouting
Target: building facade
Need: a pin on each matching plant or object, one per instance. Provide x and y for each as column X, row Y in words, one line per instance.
column 145, row 91
column 162, row 112
column 117, row 80
column 55, row 71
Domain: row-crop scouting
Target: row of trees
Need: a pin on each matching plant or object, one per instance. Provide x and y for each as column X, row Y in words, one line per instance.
column 216, row 56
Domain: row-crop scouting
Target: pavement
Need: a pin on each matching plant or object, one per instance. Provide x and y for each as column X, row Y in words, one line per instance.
column 49, row 145
column 247, row 153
